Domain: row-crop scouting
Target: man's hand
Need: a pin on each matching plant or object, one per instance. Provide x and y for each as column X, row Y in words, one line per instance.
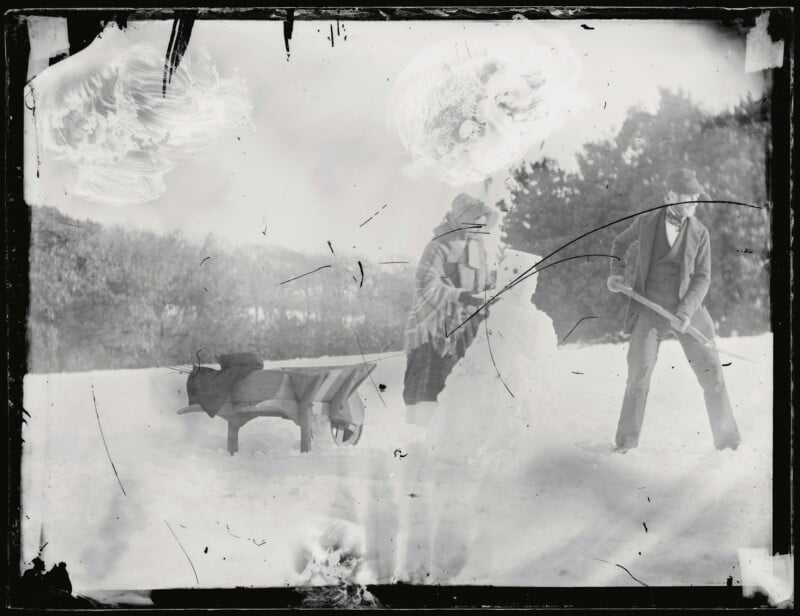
column 680, row 323
column 614, row 283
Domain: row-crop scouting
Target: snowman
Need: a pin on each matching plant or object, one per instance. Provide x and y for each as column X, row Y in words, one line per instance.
column 500, row 393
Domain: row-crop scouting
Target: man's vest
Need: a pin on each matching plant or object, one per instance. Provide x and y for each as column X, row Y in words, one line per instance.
column 662, row 284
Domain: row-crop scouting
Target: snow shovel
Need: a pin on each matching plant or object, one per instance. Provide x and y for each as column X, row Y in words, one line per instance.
column 692, row 331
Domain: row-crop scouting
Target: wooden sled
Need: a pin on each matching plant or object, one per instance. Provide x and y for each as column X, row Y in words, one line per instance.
column 297, row 394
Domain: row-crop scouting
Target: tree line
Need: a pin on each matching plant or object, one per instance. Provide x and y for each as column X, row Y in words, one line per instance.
column 111, row 297
column 122, row 298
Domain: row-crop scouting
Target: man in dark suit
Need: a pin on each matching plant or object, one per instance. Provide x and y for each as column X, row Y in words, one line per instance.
column 673, row 269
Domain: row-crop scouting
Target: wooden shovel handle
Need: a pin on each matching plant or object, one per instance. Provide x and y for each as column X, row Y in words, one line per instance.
column 626, row 290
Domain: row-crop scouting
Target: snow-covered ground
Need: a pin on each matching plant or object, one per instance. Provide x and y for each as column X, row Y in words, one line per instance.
column 673, row 512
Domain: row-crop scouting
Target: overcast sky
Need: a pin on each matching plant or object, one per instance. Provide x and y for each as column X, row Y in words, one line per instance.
column 320, row 157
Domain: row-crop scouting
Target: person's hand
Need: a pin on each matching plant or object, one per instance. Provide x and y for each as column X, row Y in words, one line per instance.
column 680, row 323
column 614, row 283
column 470, row 299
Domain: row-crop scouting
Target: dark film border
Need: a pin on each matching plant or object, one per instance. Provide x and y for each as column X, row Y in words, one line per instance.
column 85, row 24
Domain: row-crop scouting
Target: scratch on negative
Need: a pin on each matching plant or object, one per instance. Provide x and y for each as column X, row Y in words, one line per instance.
column 527, row 274
column 624, row 569
column 370, row 373
column 184, row 552
column 461, row 228
column 491, row 355
column 373, row 216
column 533, row 269
column 306, row 274
column 178, row 42
column 574, row 326
column 99, row 425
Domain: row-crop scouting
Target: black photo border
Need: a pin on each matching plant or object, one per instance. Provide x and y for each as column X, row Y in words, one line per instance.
column 86, row 22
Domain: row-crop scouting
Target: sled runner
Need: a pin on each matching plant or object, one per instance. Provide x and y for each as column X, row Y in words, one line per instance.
column 298, row 394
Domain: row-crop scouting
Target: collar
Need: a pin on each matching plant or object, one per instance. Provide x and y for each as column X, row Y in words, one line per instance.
column 673, row 217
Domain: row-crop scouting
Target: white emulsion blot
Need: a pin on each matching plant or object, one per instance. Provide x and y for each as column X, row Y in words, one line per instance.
column 772, row 575
column 104, row 112
column 465, row 109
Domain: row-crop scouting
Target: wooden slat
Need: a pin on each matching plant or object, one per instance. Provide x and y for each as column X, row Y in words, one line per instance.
column 263, row 385
column 342, row 373
column 318, row 369
column 342, row 394
column 193, row 408
column 304, row 405
column 332, row 384
column 365, row 372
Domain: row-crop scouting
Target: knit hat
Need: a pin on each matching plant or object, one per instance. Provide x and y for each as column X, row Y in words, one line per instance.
column 465, row 211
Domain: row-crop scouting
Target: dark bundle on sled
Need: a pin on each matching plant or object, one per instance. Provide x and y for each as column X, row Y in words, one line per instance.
column 210, row 388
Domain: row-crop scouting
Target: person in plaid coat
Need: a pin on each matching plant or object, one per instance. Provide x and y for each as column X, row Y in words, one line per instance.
column 450, row 281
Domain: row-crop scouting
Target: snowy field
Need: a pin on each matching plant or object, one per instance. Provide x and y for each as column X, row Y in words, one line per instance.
column 673, row 512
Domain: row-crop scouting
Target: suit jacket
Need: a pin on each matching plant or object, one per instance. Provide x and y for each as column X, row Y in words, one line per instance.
column 695, row 266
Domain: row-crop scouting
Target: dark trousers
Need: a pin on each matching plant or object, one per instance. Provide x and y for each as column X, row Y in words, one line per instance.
column 648, row 332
